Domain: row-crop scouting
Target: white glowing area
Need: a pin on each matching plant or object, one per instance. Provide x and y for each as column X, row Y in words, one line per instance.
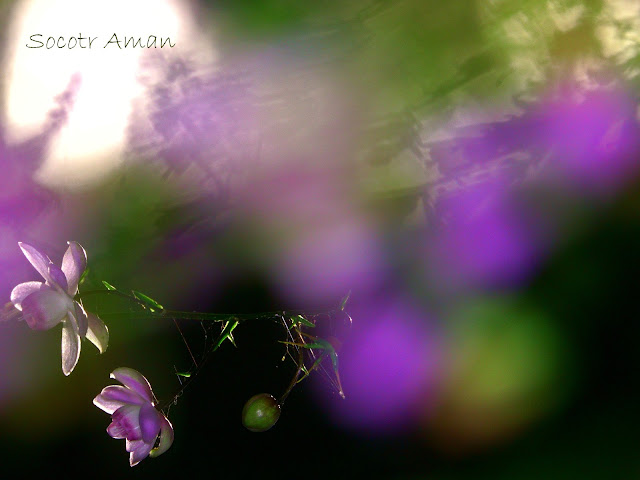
column 91, row 143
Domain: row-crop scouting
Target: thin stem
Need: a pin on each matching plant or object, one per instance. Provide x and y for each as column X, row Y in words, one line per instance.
column 175, row 322
column 198, row 316
column 216, row 317
column 294, row 380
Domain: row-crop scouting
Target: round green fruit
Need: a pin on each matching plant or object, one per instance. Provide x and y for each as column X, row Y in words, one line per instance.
column 260, row 413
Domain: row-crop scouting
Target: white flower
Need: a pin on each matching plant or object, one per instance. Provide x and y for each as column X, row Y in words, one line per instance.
column 44, row 305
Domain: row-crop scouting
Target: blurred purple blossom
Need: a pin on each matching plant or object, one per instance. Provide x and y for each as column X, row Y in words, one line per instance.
column 569, row 139
column 390, row 366
column 485, row 238
column 325, row 263
column 198, row 126
column 483, row 233
column 594, row 139
column 321, row 245
column 134, row 416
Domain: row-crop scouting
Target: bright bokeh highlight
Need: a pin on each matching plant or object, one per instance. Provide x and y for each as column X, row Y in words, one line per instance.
column 92, row 143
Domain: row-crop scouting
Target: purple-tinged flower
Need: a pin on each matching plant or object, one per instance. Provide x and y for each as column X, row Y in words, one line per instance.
column 134, row 416
column 44, row 305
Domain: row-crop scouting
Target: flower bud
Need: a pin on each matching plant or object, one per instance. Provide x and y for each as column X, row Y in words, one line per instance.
column 260, row 413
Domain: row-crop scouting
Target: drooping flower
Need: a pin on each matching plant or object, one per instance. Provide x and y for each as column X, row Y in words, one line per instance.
column 44, row 305
column 134, row 416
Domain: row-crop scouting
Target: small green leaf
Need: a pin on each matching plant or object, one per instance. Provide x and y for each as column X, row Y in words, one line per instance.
column 184, row 374
column 83, row 276
column 344, row 301
column 300, row 320
column 232, row 340
column 226, row 333
column 327, row 350
column 107, row 285
column 148, row 301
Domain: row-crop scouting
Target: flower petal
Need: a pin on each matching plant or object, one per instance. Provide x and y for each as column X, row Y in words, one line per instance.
column 74, row 263
column 81, row 318
column 22, row 291
column 70, row 345
column 149, row 423
column 38, row 259
column 139, row 451
column 57, row 276
column 126, row 421
column 44, row 308
column 113, row 397
column 122, row 394
column 166, row 438
column 97, row 332
column 115, row 430
column 135, row 381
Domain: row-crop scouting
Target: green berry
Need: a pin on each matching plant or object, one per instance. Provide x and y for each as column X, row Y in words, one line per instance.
column 260, row 413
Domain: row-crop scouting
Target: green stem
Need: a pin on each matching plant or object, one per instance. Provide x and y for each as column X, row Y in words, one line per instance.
column 216, row 317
